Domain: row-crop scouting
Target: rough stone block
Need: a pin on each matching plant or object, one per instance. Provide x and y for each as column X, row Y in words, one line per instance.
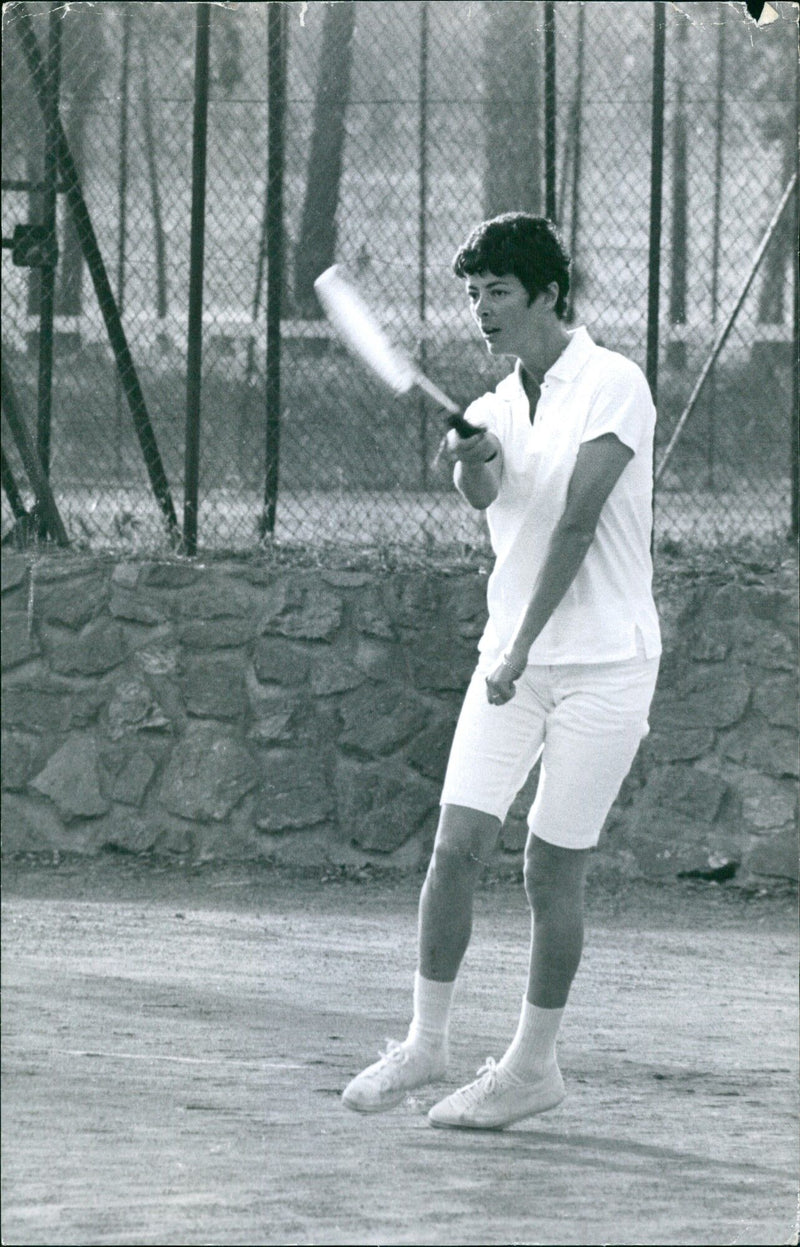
column 466, row 602
column 706, row 699
column 38, row 705
column 217, row 598
column 776, row 857
column 133, row 708
column 272, row 729
column 97, row 649
column 377, row 721
column 158, row 658
column 130, row 785
column 660, row 856
column 71, row 779
column 520, row 806
column 31, row 826
column 766, row 802
column 333, row 675
column 346, row 580
column 760, row 643
column 136, row 607
column 439, row 662
column 372, row 617
column 170, row 575
column 127, row 832
column 686, row 791
column 293, row 792
column 61, row 567
column 176, row 841
column 430, row 749
column 214, row 689
column 20, row 644
column 381, row 660
column 126, row 575
column 776, row 698
column 317, row 617
column 18, row 759
column 380, row 807
column 13, row 571
column 74, row 604
column 208, row 774
column 776, row 605
column 277, row 597
column 279, row 662
column 514, row 834
column 679, row 745
column 414, row 601
column 86, row 702
column 771, row 750
column 216, row 633
column 708, row 647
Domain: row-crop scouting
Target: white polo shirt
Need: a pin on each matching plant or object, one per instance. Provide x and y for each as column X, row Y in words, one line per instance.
column 587, row 392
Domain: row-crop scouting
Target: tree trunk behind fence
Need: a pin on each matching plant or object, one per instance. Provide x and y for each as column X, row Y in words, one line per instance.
column 84, row 61
column 513, row 109
column 316, row 245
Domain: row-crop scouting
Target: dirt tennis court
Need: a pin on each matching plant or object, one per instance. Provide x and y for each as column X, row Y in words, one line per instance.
column 174, row 1047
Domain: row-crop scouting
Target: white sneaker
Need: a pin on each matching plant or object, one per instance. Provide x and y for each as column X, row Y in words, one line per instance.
column 401, row 1069
column 497, row 1098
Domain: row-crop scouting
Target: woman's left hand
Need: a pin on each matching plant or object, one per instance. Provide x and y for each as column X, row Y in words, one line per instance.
column 501, row 680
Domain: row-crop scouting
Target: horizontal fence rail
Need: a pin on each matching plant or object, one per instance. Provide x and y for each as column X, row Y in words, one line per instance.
column 176, row 176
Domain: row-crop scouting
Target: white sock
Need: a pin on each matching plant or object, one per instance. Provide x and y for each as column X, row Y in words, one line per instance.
column 533, row 1049
column 432, row 1002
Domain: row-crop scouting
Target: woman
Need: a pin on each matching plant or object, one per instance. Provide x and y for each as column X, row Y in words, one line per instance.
column 562, row 464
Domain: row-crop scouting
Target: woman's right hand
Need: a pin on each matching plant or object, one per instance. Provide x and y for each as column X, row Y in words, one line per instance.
column 482, row 447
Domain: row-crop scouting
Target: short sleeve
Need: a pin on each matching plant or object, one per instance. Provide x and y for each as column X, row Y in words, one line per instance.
column 622, row 405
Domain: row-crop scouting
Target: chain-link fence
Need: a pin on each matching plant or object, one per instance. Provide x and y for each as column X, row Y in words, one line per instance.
column 376, row 135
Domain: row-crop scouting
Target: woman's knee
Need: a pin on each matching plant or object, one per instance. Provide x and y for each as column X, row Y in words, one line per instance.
column 554, row 876
column 464, row 842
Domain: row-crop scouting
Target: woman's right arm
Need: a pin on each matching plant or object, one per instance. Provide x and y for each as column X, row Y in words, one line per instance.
column 478, row 466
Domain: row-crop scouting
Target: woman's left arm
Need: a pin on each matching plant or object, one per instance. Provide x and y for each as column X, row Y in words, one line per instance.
column 599, row 465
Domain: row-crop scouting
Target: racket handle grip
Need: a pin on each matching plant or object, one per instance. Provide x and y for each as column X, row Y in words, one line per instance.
column 462, row 427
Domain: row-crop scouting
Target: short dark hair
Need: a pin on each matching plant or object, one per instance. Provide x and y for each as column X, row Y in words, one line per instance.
column 526, row 246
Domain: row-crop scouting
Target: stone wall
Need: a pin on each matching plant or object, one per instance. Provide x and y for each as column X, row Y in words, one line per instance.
column 238, row 712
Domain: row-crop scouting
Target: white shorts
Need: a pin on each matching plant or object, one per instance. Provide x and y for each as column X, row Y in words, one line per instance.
column 586, row 720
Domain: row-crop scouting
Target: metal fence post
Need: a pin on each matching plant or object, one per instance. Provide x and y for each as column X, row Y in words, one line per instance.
column 422, row 236
column 276, row 117
column 194, row 349
column 716, row 218
column 23, row 27
column 550, row 109
column 26, row 448
column 47, row 280
column 122, row 192
column 577, row 125
column 656, row 186
column 794, row 414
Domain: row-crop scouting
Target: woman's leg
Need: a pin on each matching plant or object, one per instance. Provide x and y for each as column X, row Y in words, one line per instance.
column 554, row 883
column 464, row 843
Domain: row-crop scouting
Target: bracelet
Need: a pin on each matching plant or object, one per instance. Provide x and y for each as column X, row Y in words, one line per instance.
column 510, row 663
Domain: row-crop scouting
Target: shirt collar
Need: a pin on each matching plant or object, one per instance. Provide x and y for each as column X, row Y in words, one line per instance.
column 571, row 359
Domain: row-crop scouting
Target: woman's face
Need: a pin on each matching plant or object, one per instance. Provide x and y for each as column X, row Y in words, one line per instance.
column 510, row 322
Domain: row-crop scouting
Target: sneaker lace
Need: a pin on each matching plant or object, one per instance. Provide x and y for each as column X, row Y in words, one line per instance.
column 483, row 1085
column 394, row 1052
